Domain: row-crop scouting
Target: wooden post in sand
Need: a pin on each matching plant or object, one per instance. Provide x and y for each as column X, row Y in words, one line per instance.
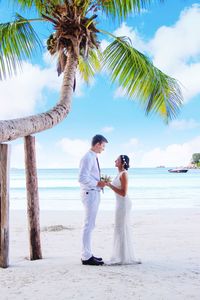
column 4, row 204
column 32, row 198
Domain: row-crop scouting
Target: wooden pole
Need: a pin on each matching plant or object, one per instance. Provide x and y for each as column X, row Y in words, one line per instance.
column 4, row 204
column 32, row 198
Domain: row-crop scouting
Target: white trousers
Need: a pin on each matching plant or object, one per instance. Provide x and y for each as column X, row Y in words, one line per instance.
column 90, row 201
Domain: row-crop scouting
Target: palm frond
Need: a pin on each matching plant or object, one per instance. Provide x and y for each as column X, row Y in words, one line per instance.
column 90, row 66
column 40, row 5
column 18, row 41
column 121, row 9
column 83, row 4
column 140, row 79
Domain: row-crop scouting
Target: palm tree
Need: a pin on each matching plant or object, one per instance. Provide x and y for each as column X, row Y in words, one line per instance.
column 74, row 40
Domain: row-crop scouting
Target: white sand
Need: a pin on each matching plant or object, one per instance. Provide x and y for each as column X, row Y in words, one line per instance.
column 166, row 241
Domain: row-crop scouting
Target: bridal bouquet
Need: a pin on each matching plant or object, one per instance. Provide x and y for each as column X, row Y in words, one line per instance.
column 106, row 178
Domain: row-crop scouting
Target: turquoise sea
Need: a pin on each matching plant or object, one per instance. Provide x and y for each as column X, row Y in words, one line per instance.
column 154, row 188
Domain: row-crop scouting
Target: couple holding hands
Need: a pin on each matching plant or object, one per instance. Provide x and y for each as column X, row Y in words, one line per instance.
column 91, row 186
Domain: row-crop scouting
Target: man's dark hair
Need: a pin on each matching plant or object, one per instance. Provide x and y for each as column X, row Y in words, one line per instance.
column 98, row 138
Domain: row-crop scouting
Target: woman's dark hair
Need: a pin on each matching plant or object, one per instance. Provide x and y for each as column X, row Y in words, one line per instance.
column 98, row 138
column 125, row 161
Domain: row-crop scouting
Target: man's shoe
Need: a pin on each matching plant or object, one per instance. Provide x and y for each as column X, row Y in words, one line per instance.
column 98, row 258
column 92, row 261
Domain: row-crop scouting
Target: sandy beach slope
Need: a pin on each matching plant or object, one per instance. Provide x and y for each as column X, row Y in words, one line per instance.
column 167, row 242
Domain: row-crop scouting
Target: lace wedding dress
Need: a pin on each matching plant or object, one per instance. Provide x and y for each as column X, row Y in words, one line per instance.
column 122, row 245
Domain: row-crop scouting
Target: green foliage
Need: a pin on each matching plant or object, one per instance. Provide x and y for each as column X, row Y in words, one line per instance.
column 90, row 66
column 39, row 5
column 196, row 158
column 138, row 77
column 84, row 4
column 18, row 41
column 120, row 9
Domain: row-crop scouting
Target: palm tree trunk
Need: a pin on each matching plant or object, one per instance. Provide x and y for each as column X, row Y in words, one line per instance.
column 13, row 129
column 33, row 209
column 4, row 204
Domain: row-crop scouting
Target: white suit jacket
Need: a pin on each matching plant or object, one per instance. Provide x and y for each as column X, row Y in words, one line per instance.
column 89, row 173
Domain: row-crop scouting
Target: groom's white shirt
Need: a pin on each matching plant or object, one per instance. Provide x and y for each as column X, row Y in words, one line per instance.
column 89, row 174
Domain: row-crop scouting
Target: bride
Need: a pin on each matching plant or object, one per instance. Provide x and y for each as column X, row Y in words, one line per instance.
column 123, row 245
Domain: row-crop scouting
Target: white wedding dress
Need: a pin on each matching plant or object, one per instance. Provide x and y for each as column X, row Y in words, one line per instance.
column 123, row 244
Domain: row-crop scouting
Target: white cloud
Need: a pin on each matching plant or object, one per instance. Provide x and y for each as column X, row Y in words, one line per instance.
column 51, row 61
column 132, row 149
column 21, row 94
column 173, row 155
column 179, row 42
column 18, row 156
column 108, row 129
column 65, row 153
column 104, row 44
column 133, row 35
column 17, row 159
column 74, row 147
column 176, row 50
column 132, row 143
column 184, row 124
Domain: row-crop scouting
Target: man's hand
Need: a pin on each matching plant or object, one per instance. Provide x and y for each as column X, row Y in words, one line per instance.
column 101, row 184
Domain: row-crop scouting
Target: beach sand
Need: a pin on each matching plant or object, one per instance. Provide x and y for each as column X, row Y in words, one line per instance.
column 166, row 241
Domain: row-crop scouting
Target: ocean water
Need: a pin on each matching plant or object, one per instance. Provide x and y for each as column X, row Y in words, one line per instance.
column 148, row 188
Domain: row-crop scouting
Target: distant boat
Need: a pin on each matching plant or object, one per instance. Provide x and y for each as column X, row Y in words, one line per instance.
column 178, row 170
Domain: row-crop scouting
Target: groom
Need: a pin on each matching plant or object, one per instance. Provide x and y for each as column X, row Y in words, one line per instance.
column 91, row 186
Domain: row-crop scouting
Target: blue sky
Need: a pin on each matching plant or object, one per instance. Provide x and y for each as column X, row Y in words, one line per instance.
column 169, row 33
